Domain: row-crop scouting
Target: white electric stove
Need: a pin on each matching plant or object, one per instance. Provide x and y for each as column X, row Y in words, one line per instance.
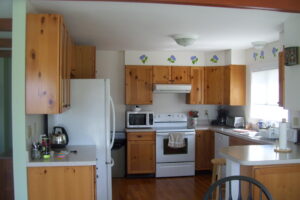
column 171, row 162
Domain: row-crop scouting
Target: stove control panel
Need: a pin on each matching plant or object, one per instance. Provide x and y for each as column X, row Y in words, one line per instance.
column 170, row 117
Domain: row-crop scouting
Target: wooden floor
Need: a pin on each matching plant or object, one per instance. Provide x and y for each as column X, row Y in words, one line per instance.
column 184, row 188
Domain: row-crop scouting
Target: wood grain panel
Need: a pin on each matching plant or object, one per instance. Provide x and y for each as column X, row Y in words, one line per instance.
column 6, row 179
column 196, row 96
column 281, row 79
column 5, row 43
column 138, row 85
column 214, row 85
column 61, row 183
column 181, row 75
column 204, row 149
column 42, row 63
column 85, row 62
column 235, row 141
column 161, row 74
column 285, row 6
column 141, row 136
column 140, row 157
column 235, row 85
column 6, row 24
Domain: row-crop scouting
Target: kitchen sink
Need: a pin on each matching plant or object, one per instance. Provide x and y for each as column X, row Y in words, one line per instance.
column 246, row 132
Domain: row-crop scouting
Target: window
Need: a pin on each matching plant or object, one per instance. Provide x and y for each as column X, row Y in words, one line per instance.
column 265, row 96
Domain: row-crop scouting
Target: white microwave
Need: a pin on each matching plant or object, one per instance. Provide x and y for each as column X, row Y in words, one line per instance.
column 143, row 119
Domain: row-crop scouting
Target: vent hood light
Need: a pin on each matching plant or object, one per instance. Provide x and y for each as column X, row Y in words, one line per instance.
column 172, row 88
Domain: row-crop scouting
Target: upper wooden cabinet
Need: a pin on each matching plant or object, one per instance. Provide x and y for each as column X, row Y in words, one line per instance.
column 84, row 65
column 168, row 74
column 181, row 75
column 197, row 80
column 162, row 74
column 48, row 62
column 138, row 85
column 235, row 85
column 214, row 85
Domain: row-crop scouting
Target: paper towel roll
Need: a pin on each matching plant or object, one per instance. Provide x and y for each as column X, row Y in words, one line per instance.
column 283, row 134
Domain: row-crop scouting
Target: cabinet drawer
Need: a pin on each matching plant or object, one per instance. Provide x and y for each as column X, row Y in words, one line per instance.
column 140, row 136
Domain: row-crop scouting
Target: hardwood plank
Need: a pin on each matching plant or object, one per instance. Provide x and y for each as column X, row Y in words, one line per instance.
column 5, row 24
column 284, row 6
column 178, row 188
column 5, row 53
column 5, row 43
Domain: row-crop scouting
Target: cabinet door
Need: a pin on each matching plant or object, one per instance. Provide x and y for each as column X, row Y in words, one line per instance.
column 214, row 85
column 61, row 183
column 181, row 75
column 85, row 59
column 43, row 63
column 235, row 85
column 161, row 74
column 204, row 150
column 197, row 81
column 140, row 157
column 138, row 83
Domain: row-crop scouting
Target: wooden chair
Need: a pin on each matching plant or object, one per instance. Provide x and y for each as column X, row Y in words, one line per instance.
column 218, row 163
column 252, row 182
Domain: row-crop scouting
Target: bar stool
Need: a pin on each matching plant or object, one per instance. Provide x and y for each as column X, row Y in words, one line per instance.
column 217, row 172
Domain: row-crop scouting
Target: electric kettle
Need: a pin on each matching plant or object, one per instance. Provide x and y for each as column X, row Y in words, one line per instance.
column 59, row 137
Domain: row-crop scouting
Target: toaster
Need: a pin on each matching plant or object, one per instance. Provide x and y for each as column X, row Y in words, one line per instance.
column 235, row 122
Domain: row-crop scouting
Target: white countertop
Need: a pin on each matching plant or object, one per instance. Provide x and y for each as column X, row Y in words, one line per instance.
column 86, row 155
column 140, row 130
column 261, row 154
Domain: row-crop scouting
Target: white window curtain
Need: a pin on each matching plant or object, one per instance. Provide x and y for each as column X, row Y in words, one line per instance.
column 265, row 96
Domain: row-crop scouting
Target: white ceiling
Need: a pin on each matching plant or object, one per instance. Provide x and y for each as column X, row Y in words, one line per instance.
column 140, row 26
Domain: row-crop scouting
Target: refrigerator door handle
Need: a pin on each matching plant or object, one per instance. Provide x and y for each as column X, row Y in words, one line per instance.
column 114, row 122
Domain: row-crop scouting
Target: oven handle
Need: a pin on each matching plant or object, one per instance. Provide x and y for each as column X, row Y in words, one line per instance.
column 167, row 134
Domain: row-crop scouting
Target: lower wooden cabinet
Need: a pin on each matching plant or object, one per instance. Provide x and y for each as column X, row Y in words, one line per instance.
column 204, row 149
column 140, row 153
column 61, row 183
column 282, row 181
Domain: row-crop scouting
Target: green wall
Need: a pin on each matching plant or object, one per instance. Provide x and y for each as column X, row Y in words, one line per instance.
column 18, row 99
column 5, row 106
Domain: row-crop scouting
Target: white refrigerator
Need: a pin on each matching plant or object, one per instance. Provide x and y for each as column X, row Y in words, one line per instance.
column 91, row 122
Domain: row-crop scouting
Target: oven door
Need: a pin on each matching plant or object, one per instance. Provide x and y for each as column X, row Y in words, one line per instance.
column 166, row 154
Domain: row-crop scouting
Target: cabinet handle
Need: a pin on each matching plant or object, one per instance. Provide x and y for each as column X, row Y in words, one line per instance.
column 139, row 136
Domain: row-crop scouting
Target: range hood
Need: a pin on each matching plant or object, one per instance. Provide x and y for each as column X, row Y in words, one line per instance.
column 172, row 88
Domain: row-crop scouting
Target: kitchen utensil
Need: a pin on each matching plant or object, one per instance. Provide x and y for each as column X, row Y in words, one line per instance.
column 59, row 137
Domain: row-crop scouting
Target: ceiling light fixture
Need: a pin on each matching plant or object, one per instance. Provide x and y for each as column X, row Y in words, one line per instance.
column 185, row 39
column 258, row 44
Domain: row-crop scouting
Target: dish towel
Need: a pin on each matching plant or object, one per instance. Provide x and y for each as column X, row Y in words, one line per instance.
column 176, row 140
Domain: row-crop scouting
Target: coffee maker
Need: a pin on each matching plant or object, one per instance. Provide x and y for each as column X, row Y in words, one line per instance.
column 221, row 119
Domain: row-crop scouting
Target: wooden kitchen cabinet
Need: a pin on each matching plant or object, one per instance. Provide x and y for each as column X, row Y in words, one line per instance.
column 162, row 74
column 48, row 62
column 214, row 85
column 61, row 183
column 181, row 75
column 196, row 96
column 84, row 62
column 138, row 85
column 171, row 75
column 140, row 153
column 282, row 181
column 204, row 149
column 235, row 85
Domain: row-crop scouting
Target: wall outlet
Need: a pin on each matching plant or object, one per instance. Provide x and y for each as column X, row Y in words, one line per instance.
column 206, row 112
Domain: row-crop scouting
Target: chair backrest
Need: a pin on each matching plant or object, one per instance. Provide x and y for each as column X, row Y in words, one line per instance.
column 251, row 181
